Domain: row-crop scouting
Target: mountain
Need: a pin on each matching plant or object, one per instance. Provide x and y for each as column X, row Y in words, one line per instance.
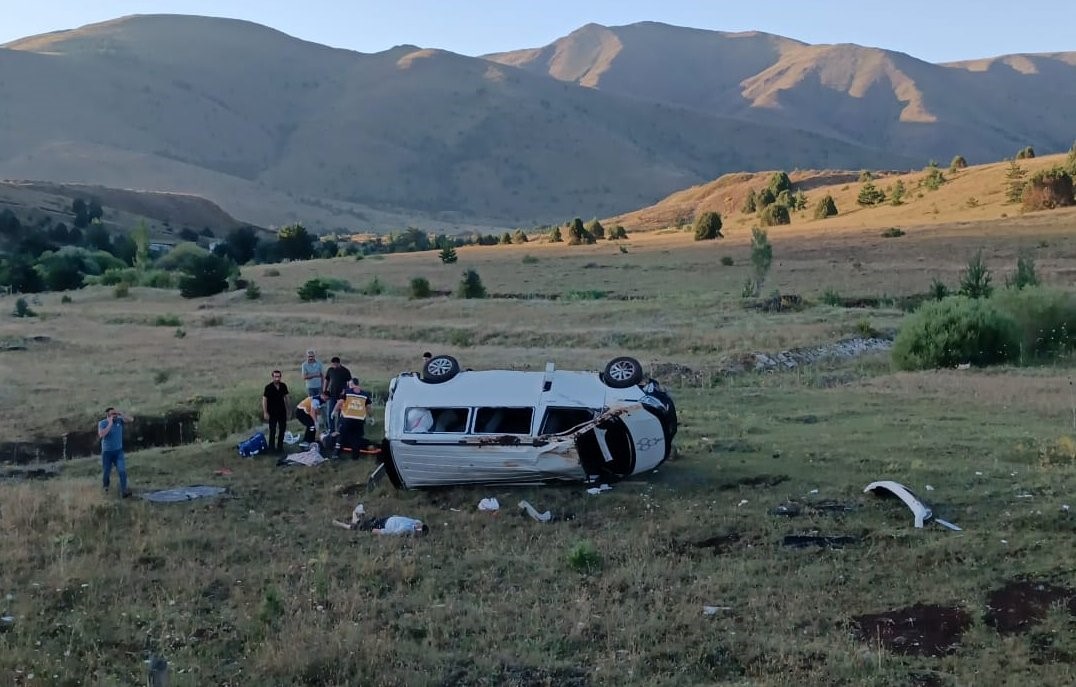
column 274, row 129
column 984, row 110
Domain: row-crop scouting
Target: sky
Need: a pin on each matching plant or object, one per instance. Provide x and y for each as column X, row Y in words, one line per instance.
column 933, row 30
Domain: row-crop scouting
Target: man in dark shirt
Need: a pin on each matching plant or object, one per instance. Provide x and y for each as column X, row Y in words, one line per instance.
column 275, row 410
column 336, row 379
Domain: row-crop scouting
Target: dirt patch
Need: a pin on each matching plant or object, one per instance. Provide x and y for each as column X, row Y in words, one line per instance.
column 719, row 544
column 754, row 481
column 919, row 630
column 175, row 428
column 824, row 541
column 1021, row 604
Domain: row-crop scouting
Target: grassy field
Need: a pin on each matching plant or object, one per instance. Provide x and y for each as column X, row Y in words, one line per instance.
column 260, row 589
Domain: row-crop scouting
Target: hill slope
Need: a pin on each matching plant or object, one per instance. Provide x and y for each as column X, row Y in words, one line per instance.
column 258, row 121
column 984, row 110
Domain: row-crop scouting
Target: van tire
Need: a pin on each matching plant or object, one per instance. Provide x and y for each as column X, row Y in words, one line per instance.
column 622, row 372
column 440, row 368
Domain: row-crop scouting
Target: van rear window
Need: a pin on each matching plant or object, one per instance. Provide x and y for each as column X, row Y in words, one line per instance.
column 436, row 420
column 503, row 420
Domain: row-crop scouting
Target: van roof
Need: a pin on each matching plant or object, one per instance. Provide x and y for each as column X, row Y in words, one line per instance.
column 503, row 388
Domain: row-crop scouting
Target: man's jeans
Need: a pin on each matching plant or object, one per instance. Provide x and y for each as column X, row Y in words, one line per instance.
column 110, row 458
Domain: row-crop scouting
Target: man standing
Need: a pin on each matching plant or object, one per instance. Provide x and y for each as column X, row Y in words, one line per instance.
column 275, row 410
column 312, row 373
column 110, row 431
column 353, row 408
column 336, row 379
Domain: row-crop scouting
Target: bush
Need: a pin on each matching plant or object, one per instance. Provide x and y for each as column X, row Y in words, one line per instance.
column 956, row 330
column 618, row 232
column 529, row 260
column 958, row 163
column 1046, row 319
column 938, row 290
column 65, row 299
column 831, row 297
column 595, row 228
column 584, row 558
column 869, row 195
column 892, row 233
column 168, row 321
column 1025, row 274
column 774, row 215
column 1014, row 189
column 1048, row 189
column 374, row 287
column 727, row 261
column 578, row 234
column 253, row 292
column 272, row 272
column 471, row 286
column 314, row 290
column 229, row 415
column 157, row 279
column 826, row 207
column 22, row 309
column 975, row 279
column 420, row 287
column 206, row 275
column 896, row 194
column 448, row 255
column 1025, row 153
column 708, row 227
column 180, row 257
column 180, row 334
column 585, row 295
column 750, row 205
column 554, row 236
column 934, row 178
column 121, row 291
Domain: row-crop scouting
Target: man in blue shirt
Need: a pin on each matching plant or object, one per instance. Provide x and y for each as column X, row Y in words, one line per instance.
column 110, row 431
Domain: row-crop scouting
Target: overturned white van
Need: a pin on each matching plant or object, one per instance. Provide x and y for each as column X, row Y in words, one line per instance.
column 448, row 426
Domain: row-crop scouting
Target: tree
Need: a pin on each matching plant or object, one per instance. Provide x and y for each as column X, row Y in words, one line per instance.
column 205, row 275
column 865, row 176
column 124, row 248
column 774, row 215
column 1014, row 191
column 471, row 286
column 94, row 211
column 1025, row 274
column 761, row 258
column 188, row 234
column 519, row 236
column 826, row 207
column 595, row 229
column 750, row 203
column 870, row 195
column 62, row 272
column 784, row 198
column 1070, row 161
column 896, row 194
column 975, row 279
column 295, row 242
column 420, row 287
column 448, row 255
column 618, row 232
column 1025, row 153
column 82, row 219
column 578, row 234
column 96, row 237
column 934, row 178
column 506, row 239
column 1048, row 189
column 765, row 198
column 19, row 275
column 958, row 163
column 708, row 227
column 554, row 236
column 799, row 201
column 242, row 244
column 140, row 236
column 314, row 290
column 779, row 182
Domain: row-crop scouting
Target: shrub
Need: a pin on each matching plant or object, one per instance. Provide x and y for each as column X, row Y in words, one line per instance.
column 272, row 272
column 1048, row 189
column 167, row 321
column 956, row 330
column 727, row 261
column 1025, row 274
column 972, row 202
column 831, row 297
column 374, row 287
column 157, row 279
column 938, row 290
column 934, row 178
column 765, row 198
column 253, row 292
column 237, row 412
column 865, row 176
column 180, row 334
column 1046, row 319
column 471, row 286
column 618, row 232
column 1025, row 153
column 896, row 194
column 448, row 255
column 595, row 228
column 121, row 291
column 761, row 259
column 578, row 234
column 975, row 279
column 584, row 558
column 65, row 299
column 708, row 226
column 205, row 276
column 1014, row 189
column 180, row 257
column 529, row 260
column 519, row 237
column 869, row 195
column 114, row 276
column 774, row 215
column 799, row 201
column 826, row 207
column 161, row 376
column 314, row 290
column 892, row 233
column 779, row 183
column 750, row 206
column 420, row 287
column 586, row 295
column 958, row 163
column 336, row 284
column 506, row 239
column 22, row 309
column 554, row 236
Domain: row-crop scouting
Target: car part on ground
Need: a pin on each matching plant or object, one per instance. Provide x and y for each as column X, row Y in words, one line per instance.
column 920, row 510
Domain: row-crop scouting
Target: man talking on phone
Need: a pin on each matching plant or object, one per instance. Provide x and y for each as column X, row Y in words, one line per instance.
column 110, row 431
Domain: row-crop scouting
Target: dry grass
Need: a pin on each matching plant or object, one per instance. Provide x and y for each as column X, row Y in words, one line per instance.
column 259, row 588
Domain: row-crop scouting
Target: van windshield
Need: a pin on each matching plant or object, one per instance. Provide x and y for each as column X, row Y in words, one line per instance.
column 559, row 420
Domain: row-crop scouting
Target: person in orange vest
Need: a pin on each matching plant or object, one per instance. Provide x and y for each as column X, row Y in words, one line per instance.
column 352, row 408
column 308, row 412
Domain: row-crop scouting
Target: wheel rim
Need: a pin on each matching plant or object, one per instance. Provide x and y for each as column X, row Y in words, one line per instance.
column 622, row 371
column 439, row 367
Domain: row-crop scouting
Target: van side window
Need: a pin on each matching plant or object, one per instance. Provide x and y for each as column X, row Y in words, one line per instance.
column 441, row 420
column 503, row 420
column 559, row 420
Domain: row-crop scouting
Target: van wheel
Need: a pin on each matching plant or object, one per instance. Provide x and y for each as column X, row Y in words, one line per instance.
column 620, row 373
column 440, row 368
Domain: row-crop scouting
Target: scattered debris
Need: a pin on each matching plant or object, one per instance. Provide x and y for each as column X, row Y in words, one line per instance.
column 6, row 622
column 1065, row 507
column 594, row 491
column 919, row 510
column 291, row 439
column 223, row 472
column 489, row 504
column 158, row 672
column 713, row 610
column 743, row 502
column 919, row 630
column 754, row 481
column 183, row 494
column 791, row 509
column 802, row 541
column 1020, row 604
column 533, row 512
column 310, row 457
column 929, row 488
column 375, row 477
column 720, row 543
